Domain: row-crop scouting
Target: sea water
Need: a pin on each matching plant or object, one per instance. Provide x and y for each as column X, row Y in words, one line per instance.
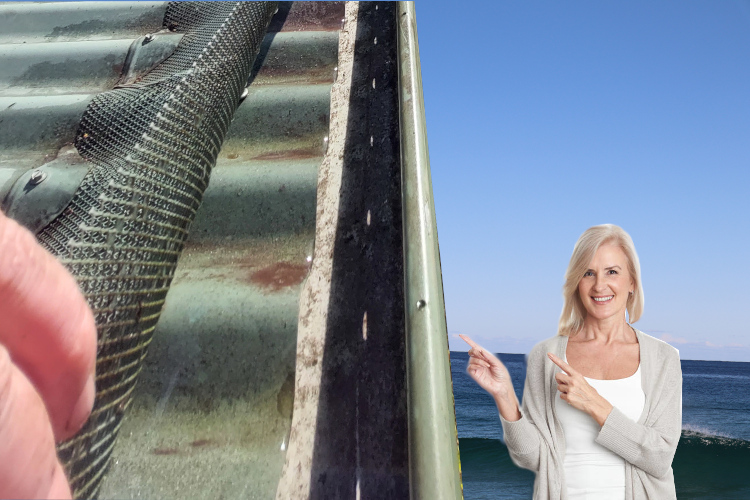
column 712, row 459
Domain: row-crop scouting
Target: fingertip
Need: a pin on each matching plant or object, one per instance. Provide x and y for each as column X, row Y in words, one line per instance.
column 81, row 410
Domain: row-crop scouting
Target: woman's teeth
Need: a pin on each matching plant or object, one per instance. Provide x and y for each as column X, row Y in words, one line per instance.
column 603, row 299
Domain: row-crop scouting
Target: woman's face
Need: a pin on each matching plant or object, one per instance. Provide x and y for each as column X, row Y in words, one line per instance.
column 606, row 284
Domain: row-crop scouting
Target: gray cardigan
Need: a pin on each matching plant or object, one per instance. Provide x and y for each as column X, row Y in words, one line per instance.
column 536, row 441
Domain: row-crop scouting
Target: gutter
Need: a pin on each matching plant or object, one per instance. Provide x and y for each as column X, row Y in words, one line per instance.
column 434, row 463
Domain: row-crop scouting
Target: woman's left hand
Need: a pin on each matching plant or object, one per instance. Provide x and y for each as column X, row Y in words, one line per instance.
column 576, row 391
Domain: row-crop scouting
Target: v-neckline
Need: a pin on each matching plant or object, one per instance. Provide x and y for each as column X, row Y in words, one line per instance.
column 564, row 357
column 644, row 372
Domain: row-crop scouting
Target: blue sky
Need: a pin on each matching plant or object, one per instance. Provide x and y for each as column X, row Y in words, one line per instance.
column 545, row 118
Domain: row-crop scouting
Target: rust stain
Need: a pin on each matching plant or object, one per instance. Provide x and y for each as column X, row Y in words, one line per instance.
column 117, row 70
column 201, row 442
column 269, row 75
column 165, row 451
column 292, row 154
column 279, row 275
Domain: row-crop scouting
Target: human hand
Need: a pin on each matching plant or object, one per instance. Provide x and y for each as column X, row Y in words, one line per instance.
column 488, row 371
column 578, row 393
column 47, row 361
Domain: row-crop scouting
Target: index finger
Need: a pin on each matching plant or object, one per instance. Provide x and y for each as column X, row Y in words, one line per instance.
column 47, row 327
column 469, row 341
column 562, row 364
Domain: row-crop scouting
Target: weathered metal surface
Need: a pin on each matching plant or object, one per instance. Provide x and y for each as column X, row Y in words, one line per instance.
column 47, row 68
column 38, row 125
column 278, row 194
column 153, row 146
column 308, row 16
column 147, row 52
column 53, row 22
column 349, row 435
column 304, row 57
column 434, row 468
column 279, row 121
column 316, row 296
column 221, row 367
column 38, row 196
column 212, row 408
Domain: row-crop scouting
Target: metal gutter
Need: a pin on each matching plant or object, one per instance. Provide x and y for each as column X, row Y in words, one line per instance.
column 434, row 465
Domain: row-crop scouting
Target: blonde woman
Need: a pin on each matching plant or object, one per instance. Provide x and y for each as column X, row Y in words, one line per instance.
column 602, row 404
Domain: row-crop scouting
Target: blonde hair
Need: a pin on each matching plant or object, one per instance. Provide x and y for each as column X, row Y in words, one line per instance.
column 573, row 312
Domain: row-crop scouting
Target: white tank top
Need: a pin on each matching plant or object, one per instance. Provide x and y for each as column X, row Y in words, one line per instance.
column 592, row 472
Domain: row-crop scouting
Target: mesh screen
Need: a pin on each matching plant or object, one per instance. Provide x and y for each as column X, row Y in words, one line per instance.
column 153, row 145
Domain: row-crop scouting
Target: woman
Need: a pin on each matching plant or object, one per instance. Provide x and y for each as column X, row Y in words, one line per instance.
column 602, row 403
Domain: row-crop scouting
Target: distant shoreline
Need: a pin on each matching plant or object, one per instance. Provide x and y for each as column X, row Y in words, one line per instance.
column 683, row 359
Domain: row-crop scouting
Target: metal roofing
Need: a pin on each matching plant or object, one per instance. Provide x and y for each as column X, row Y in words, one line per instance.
column 212, row 411
column 214, row 399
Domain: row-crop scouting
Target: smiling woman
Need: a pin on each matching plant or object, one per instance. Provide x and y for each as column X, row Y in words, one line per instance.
column 581, row 277
column 611, row 429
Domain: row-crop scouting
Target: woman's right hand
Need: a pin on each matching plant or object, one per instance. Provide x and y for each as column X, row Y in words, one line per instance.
column 488, row 371
column 492, row 376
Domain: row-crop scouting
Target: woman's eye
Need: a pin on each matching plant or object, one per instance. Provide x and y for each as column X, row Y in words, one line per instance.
column 612, row 271
column 588, row 273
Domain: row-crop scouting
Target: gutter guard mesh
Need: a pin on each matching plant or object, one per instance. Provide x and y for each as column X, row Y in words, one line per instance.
column 153, row 145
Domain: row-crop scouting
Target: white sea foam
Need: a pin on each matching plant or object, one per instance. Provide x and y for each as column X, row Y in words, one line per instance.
column 714, row 375
column 697, row 429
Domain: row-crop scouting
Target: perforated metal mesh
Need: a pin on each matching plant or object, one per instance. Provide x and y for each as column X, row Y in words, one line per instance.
column 153, row 144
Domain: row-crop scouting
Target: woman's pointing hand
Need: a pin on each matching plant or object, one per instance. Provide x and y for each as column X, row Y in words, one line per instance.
column 578, row 393
column 492, row 376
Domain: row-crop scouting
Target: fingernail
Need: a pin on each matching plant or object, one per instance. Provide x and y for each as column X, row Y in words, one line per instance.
column 83, row 406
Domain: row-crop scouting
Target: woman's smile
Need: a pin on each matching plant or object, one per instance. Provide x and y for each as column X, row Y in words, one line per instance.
column 603, row 299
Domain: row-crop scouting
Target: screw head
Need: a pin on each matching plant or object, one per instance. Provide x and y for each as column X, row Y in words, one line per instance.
column 37, row 177
column 244, row 94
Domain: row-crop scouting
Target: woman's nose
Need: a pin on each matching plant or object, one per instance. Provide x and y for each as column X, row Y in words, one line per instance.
column 598, row 282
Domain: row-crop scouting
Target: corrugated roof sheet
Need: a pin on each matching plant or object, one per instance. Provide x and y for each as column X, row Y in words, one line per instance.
column 212, row 410
column 213, row 405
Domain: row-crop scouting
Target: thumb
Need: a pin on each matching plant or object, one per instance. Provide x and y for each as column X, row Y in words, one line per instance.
column 28, row 463
column 47, row 327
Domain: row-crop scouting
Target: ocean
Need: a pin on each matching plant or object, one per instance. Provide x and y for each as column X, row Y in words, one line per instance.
column 712, row 459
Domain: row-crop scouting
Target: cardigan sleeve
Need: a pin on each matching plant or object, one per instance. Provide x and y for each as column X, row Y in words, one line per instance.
column 522, row 440
column 523, row 437
column 650, row 446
